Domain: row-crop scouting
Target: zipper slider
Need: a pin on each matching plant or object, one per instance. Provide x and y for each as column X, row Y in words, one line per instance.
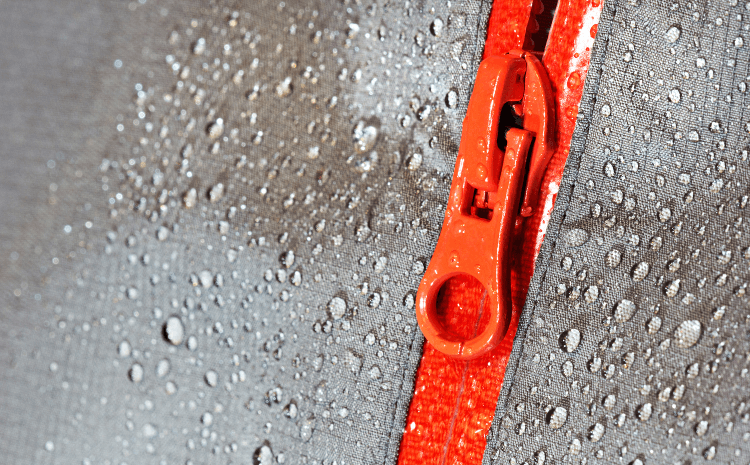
column 510, row 113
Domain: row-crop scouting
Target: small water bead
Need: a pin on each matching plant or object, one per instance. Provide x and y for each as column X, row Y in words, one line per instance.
column 557, row 417
column 675, row 96
column 415, row 162
column 644, row 412
column 216, row 192
column 216, row 129
column 640, row 271
column 284, row 88
column 609, row 402
column 576, row 237
column 653, row 325
column 364, row 137
column 614, row 257
column 672, row 288
column 199, row 47
column 567, row 368
column 451, row 99
column 591, row 294
column 701, row 428
column 162, row 368
column 719, row 312
column 211, row 378
column 596, row 432
column 606, row 110
column 664, row 394
column 436, row 28
column 190, row 198
column 673, row 34
column 124, row 349
column 595, row 364
column 678, row 392
column 624, row 310
column 628, row 359
column 570, row 339
column 136, row 373
column 688, row 333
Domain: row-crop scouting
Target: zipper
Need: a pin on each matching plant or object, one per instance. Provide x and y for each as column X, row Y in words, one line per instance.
column 507, row 128
column 470, row 317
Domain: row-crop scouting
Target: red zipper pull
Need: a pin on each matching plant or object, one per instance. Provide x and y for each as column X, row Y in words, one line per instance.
column 485, row 196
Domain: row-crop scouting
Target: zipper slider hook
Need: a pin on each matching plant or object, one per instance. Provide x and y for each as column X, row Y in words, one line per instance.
column 510, row 113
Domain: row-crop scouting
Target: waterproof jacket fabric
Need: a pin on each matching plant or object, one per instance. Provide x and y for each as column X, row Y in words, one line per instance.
column 216, row 215
column 633, row 346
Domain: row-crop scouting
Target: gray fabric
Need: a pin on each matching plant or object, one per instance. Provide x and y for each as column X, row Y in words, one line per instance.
column 650, row 211
column 141, row 325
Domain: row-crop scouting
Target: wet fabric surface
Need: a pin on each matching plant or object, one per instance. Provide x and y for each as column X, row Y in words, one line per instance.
column 633, row 344
column 216, row 216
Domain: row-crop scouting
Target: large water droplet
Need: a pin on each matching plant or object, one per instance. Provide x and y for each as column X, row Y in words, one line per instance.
column 624, row 310
column 337, row 308
column 687, row 334
column 174, row 331
column 556, row 417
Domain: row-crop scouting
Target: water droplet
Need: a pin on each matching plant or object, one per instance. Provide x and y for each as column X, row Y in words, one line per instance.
column 337, row 308
column 437, row 27
column 673, row 34
column 211, row 378
column 596, row 432
column 216, row 193
column 365, row 136
column 576, row 237
column 609, row 402
column 284, row 88
column 199, row 47
column 567, row 368
column 136, row 373
column 614, row 257
column 653, row 325
column 451, row 99
column 640, row 271
column 701, row 428
column 216, row 129
column 675, row 96
column 687, row 334
column 124, row 349
column 263, row 455
column 570, row 339
column 644, row 412
column 672, row 288
column 606, row 110
column 415, row 161
column 190, row 198
column 162, row 368
column 624, row 310
column 557, row 417
column 174, row 331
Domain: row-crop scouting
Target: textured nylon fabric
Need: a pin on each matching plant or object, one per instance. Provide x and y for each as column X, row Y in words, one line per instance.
column 633, row 344
column 205, row 265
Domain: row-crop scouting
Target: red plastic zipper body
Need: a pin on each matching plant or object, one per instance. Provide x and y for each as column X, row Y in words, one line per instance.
column 455, row 399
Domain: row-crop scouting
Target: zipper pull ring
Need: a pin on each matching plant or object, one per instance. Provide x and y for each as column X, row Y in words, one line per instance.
column 510, row 113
